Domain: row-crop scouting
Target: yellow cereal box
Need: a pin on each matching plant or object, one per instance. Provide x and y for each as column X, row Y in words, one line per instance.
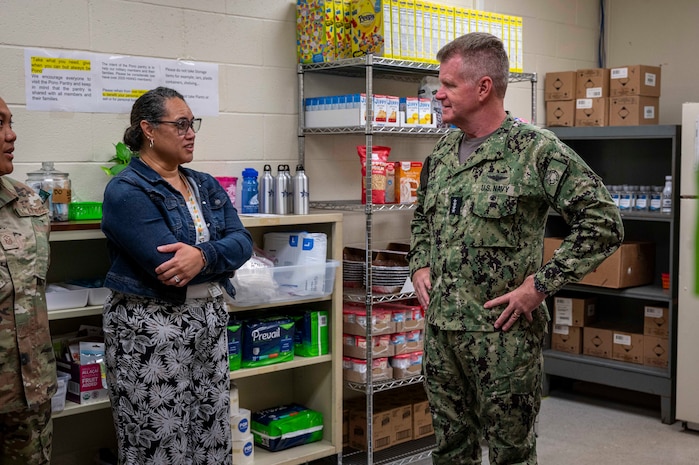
column 315, row 41
column 412, row 114
column 425, row 111
column 367, row 27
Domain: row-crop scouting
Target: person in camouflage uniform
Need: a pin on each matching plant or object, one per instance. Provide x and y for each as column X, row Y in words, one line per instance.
column 476, row 256
column 27, row 365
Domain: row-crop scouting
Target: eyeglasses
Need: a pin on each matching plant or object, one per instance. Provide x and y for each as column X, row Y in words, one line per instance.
column 184, row 124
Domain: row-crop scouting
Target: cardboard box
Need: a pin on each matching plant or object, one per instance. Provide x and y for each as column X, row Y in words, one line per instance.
column 422, row 420
column 631, row 265
column 567, row 339
column 354, row 321
column 655, row 351
column 381, row 429
column 656, row 322
column 86, row 384
column 634, row 110
column 634, row 80
column 357, row 349
column 591, row 112
column 402, row 424
column 560, row 113
column 592, row 83
column 597, row 342
column 627, row 347
column 559, row 86
column 378, row 374
column 570, row 311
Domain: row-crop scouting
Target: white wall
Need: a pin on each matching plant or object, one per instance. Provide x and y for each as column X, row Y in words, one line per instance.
column 253, row 41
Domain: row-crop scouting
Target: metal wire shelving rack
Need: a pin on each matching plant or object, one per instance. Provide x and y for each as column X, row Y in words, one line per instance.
column 371, row 67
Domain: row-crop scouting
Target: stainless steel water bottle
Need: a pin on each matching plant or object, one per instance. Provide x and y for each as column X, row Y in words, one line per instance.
column 266, row 195
column 289, row 195
column 300, row 188
column 280, row 192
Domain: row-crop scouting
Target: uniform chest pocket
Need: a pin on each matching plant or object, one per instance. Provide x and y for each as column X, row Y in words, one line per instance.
column 493, row 221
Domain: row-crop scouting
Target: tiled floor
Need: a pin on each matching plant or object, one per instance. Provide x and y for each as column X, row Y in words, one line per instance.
column 583, row 424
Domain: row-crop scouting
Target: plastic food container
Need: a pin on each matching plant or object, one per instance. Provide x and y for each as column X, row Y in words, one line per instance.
column 85, row 211
column 58, row 401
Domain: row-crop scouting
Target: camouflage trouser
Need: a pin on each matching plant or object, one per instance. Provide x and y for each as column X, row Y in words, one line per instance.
column 25, row 436
column 484, row 385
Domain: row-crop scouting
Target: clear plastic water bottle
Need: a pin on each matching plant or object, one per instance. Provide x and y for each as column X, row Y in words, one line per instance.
column 300, row 183
column 55, row 185
column 614, row 192
column 656, row 199
column 266, row 191
column 642, row 199
column 666, row 202
column 249, row 200
column 625, row 198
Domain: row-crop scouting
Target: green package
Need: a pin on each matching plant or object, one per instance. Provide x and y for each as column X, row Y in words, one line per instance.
column 234, row 331
column 311, row 335
column 267, row 341
column 286, row 426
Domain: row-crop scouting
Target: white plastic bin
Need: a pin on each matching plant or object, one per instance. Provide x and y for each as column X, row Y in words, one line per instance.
column 58, row 401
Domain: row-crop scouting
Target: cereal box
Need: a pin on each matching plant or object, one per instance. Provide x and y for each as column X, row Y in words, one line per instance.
column 407, row 180
column 315, row 37
column 367, row 27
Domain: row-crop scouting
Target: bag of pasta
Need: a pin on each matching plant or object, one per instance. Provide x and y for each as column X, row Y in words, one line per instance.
column 379, row 176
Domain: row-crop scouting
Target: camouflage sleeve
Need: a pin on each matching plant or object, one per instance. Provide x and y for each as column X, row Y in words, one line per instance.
column 418, row 256
column 580, row 197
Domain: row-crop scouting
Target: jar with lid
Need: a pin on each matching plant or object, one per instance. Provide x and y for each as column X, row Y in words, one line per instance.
column 54, row 185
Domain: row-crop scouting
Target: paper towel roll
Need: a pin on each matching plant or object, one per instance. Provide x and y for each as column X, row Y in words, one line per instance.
column 240, row 425
column 243, row 451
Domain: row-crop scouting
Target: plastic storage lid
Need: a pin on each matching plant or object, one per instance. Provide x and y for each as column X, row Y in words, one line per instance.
column 249, row 173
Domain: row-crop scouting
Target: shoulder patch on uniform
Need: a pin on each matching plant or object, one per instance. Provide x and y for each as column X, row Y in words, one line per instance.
column 554, row 174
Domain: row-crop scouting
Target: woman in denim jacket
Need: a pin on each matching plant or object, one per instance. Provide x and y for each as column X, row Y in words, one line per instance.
column 174, row 240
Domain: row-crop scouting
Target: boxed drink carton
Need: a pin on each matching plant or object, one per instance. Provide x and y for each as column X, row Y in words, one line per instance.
column 560, row 113
column 592, row 83
column 655, row 351
column 656, row 321
column 567, row 339
column 597, row 342
column 634, row 110
column 591, row 112
column 634, row 80
column 627, row 347
column 574, row 312
column 559, row 86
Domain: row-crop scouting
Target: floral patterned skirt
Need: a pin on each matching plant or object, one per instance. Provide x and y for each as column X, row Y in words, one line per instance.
column 168, row 380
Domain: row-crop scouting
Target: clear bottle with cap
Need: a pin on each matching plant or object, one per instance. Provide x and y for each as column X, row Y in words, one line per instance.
column 656, row 199
column 666, row 202
column 249, row 202
column 50, row 183
column 300, row 188
column 266, row 191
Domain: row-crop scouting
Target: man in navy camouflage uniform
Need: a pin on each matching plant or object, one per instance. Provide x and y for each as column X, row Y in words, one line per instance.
column 27, row 365
column 476, row 256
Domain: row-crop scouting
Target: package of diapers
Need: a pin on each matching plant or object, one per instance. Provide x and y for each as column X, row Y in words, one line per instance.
column 311, row 334
column 267, row 341
column 280, row 428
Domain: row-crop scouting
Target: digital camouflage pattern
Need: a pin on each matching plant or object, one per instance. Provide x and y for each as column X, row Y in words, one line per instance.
column 27, row 364
column 480, row 226
column 484, row 385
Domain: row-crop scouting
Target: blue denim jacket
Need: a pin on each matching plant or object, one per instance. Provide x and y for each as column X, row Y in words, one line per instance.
column 141, row 211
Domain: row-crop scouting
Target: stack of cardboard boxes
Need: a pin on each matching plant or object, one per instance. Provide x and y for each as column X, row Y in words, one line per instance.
column 625, row 96
column 398, row 417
